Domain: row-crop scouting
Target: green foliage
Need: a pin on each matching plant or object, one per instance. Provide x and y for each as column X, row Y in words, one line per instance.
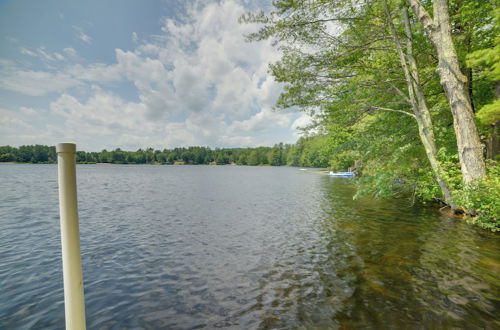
column 490, row 113
column 339, row 62
column 343, row 160
column 487, row 58
column 313, row 151
column 275, row 156
column 483, row 198
column 450, row 169
column 28, row 154
column 487, row 62
column 380, row 185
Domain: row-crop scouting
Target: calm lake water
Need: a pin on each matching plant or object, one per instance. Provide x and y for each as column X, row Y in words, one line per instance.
column 188, row 247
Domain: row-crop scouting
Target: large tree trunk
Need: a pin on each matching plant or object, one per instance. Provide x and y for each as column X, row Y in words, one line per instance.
column 454, row 82
column 417, row 100
column 424, row 119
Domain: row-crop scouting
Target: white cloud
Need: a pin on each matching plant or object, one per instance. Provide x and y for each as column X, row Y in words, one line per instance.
column 84, row 37
column 69, row 51
column 21, row 127
column 41, row 53
column 44, row 55
column 10, row 122
column 36, row 83
column 27, row 52
column 80, row 34
column 58, row 56
column 96, row 72
column 103, row 117
column 264, row 120
column 102, row 111
column 197, row 83
column 303, row 121
column 28, row 111
column 302, row 125
column 214, row 69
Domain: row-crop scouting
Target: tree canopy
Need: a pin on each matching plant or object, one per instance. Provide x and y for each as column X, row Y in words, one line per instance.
column 378, row 81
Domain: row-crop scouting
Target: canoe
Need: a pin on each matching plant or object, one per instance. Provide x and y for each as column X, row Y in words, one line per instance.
column 342, row 174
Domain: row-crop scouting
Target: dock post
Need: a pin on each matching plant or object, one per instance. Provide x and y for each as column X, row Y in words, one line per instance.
column 74, row 301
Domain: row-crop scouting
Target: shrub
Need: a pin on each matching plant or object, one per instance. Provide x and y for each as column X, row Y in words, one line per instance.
column 483, row 199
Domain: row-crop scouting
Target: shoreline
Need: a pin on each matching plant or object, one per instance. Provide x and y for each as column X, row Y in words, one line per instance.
column 319, row 169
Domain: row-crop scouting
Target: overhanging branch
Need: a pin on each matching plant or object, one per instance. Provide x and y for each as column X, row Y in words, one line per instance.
column 371, row 107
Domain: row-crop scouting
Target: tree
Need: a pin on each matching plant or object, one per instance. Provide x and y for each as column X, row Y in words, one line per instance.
column 352, row 77
column 275, row 155
column 253, row 158
column 417, row 98
column 454, row 82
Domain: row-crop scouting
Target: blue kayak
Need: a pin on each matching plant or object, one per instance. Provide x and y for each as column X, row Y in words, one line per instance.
column 342, row 174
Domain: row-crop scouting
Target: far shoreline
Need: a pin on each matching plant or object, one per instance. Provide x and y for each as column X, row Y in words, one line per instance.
column 160, row 164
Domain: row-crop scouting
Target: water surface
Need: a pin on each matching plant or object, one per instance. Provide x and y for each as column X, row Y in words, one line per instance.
column 188, row 247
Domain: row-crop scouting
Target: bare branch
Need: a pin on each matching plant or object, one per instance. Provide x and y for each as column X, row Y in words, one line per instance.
column 403, row 95
column 323, row 21
column 392, row 110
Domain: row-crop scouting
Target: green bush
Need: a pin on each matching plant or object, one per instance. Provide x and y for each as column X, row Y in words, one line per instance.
column 483, row 199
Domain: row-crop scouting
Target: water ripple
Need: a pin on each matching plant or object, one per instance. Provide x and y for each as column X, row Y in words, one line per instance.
column 194, row 247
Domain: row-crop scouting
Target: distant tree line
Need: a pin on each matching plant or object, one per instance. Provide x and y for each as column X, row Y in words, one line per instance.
column 309, row 152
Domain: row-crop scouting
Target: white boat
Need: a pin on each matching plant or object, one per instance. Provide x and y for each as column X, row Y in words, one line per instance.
column 342, row 174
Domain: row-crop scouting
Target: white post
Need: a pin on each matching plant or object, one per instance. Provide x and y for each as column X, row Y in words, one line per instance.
column 74, row 301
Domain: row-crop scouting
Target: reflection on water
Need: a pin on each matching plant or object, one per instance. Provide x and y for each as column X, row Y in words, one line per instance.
column 411, row 267
column 187, row 247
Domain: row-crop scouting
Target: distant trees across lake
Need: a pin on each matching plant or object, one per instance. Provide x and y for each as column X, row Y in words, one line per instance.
column 310, row 152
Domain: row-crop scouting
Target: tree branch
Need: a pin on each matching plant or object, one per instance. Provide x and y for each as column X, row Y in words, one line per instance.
column 424, row 17
column 371, row 107
column 322, row 21
column 400, row 93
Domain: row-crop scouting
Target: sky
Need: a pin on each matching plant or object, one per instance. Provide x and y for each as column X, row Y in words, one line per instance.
column 134, row 74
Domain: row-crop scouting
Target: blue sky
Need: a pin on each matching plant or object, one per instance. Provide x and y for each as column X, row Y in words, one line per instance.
column 136, row 74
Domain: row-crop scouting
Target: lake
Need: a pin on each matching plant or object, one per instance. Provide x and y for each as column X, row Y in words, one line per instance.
column 190, row 247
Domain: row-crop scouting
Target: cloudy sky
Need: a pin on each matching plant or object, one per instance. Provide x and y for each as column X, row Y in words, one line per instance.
column 135, row 74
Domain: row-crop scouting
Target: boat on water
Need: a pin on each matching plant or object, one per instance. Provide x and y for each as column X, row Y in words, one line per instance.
column 342, row 174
